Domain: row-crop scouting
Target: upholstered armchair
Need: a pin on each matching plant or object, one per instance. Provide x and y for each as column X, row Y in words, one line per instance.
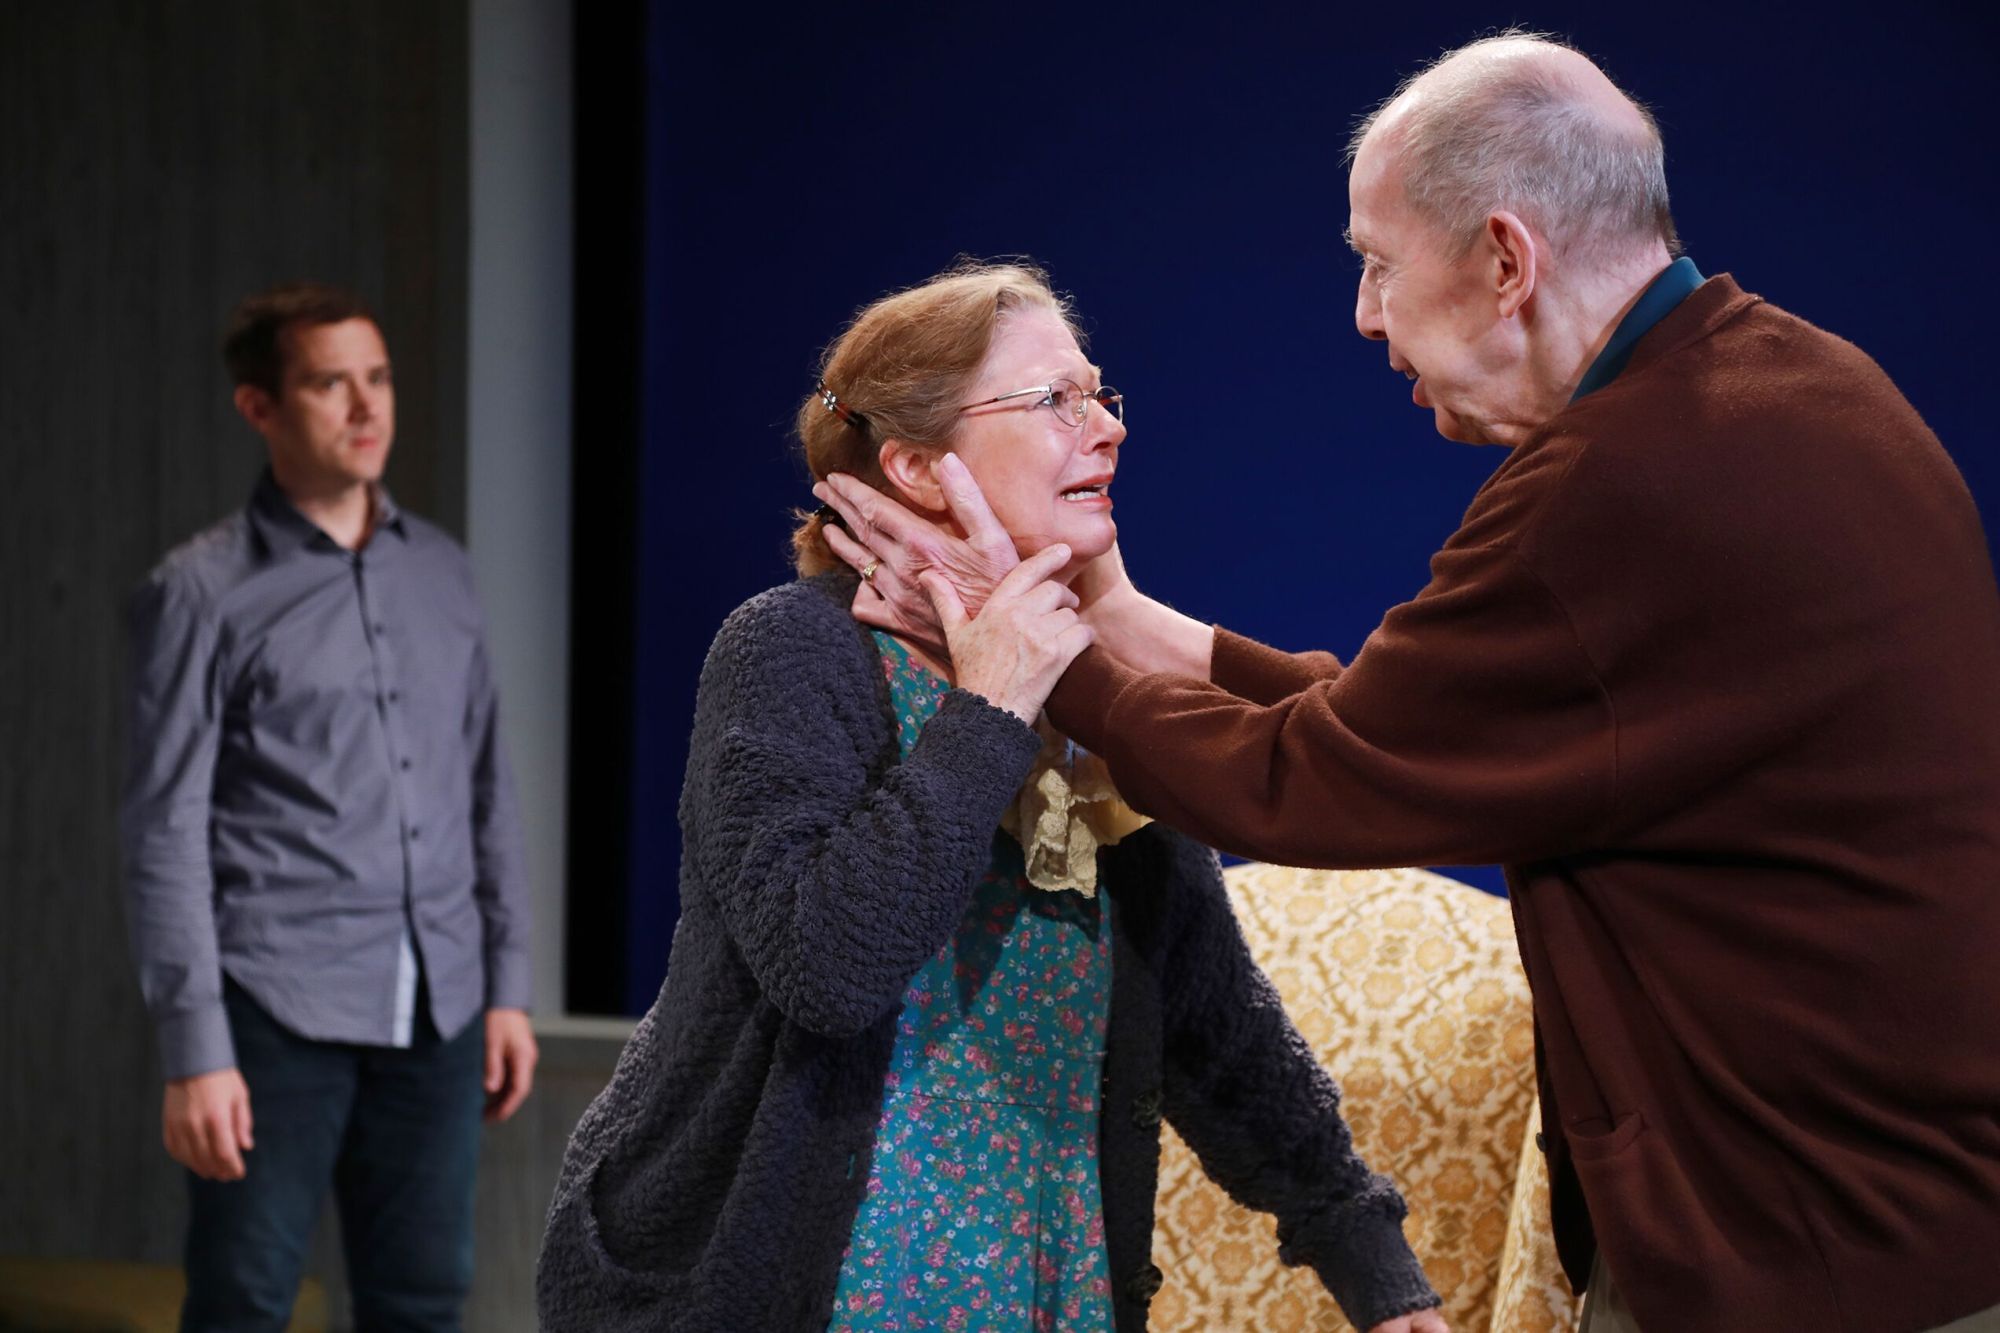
column 1408, row 988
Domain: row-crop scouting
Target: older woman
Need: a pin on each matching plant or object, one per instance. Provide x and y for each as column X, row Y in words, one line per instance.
column 933, row 987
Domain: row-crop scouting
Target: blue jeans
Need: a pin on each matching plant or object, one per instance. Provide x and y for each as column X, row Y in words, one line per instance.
column 394, row 1131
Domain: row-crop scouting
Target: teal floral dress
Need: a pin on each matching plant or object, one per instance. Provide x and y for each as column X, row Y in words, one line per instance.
column 983, row 1210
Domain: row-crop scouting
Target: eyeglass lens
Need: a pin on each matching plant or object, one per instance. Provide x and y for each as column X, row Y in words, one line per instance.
column 1072, row 403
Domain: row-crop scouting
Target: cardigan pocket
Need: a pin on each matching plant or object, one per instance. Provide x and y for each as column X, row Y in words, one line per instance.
column 1646, row 1214
column 1599, row 1137
column 620, row 1257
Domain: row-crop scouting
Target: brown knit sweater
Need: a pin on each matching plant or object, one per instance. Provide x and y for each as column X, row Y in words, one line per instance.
column 1713, row 666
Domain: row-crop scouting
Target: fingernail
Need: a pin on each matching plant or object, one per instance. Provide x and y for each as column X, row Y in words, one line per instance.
column 953, row 465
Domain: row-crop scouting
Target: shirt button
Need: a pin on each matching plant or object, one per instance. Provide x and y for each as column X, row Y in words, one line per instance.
column 381, row 628
column 405, row 764
column 395, row 696
column 1146, row 1110
column 415, row 833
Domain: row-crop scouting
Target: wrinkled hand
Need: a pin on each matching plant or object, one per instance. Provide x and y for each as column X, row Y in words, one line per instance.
column 205, row 1123
column 1423, row 1321
column 908, row 547
column 1016, row 649
column 511, row 1054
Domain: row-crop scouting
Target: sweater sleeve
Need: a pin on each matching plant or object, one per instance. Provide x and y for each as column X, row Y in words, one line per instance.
column 1470, row 728
column 1250, row 670
column 836, row 877
column 1242, row 1088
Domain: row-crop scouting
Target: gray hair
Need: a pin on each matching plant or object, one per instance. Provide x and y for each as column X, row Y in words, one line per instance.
column 1521, row 135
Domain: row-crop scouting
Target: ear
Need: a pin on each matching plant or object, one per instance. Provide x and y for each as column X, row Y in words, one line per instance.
column 1515, row 254
column 254, row 405
column 909, row 470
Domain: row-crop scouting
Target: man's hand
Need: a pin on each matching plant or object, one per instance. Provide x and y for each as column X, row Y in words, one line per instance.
column 511, row 1054
column 1423, row 1321
column 879, row 529
column 206, row 1123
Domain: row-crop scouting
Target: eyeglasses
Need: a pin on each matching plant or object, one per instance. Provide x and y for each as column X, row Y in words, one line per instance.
column 1069, row 400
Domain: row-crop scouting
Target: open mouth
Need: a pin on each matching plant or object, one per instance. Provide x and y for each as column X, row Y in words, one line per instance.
column 1083, row 494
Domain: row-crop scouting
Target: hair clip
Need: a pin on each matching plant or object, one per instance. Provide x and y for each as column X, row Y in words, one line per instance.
column 832, row 403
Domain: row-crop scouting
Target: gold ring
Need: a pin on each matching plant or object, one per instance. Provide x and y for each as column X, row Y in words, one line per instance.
column 868, row 574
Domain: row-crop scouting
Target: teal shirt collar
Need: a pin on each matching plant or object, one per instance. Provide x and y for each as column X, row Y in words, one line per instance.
column 1676, row 281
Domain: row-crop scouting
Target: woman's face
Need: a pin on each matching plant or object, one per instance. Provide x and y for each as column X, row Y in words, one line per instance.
column 1047, row 478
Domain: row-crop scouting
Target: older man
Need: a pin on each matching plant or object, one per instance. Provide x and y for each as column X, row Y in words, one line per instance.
column 1710, row 666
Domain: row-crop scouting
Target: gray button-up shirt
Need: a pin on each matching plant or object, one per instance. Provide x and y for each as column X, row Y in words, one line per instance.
column 315, row 777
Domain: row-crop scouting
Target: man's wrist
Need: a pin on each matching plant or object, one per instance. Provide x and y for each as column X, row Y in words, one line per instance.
column 1149, row 635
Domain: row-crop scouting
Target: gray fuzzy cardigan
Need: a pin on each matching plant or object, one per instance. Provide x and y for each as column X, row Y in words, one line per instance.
column 713, row 1184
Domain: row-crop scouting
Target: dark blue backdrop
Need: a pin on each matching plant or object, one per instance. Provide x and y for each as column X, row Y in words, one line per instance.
column 1181, row 175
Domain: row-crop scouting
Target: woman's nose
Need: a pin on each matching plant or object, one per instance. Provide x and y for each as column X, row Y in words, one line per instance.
column 1102, row 427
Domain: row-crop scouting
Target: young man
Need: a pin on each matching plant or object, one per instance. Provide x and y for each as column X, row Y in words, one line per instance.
column 326, row 891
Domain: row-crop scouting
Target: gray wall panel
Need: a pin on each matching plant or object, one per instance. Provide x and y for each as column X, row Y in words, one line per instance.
column 158, row 161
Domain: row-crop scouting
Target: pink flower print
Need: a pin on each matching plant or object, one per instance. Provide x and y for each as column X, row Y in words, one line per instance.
column 907, row 1288
column 955, row 1319
column 909, row 1162
column 1024, row 1225
column 939, row 1251
column 1072, row 1022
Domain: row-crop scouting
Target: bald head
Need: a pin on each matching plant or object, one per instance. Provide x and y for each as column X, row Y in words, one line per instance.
column 1522, row 123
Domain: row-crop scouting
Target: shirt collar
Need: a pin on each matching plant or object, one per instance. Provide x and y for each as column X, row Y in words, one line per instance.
column 284, row 529
column 1673, row 285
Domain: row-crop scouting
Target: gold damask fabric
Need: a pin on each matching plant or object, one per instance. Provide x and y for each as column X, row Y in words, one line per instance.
column 1408, row 988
